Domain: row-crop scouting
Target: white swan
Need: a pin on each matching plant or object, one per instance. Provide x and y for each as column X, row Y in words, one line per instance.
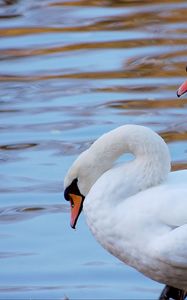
column 136, row 210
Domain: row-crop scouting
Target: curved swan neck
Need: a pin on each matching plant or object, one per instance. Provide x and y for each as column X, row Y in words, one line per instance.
column 152, row 159
column 150, row 151
column 135, row 139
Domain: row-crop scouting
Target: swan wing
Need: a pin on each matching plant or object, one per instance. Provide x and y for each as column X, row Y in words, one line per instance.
column 170, row 255
column 160, row 215
column 173, row 208
column 171, row 246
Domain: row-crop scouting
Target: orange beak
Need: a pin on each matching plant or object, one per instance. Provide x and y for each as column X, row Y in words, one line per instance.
column 182, row 89
column 76, row 208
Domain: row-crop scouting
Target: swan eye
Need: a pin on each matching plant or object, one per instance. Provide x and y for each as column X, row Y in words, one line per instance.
column 71, row 201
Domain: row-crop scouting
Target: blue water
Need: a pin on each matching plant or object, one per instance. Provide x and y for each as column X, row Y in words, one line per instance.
column 70, row 71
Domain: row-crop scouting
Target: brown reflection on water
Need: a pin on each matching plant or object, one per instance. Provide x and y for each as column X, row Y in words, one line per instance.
column 174, row 136
column 176, row 166
column 21, row 213
column 140, row 72
column 138, row 19
column 10, row 2
column 110, row 3
column 155, row 20
column 123, row 44
column 148, row 104
column 17, row 146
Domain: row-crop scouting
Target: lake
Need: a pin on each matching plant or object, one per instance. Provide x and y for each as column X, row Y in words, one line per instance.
column 71, row 70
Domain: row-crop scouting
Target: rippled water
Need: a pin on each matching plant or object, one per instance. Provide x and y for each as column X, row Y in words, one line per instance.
column 69, row 71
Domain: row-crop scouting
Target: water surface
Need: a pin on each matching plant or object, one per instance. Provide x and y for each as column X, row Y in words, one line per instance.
column 70, row 71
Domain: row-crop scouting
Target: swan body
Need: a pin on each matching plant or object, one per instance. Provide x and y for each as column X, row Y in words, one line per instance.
column 136, row 210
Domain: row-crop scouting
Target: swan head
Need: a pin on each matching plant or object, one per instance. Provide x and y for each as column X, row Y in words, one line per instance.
column 72, row 194
column 72, row 190
column 79, row 180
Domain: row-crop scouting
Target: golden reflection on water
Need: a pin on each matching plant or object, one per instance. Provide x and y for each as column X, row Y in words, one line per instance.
column 151, row 45
column 178, row 166
column 110, row 3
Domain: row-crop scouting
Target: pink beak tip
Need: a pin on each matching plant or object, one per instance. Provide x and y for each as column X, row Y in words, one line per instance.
column 178, row 95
